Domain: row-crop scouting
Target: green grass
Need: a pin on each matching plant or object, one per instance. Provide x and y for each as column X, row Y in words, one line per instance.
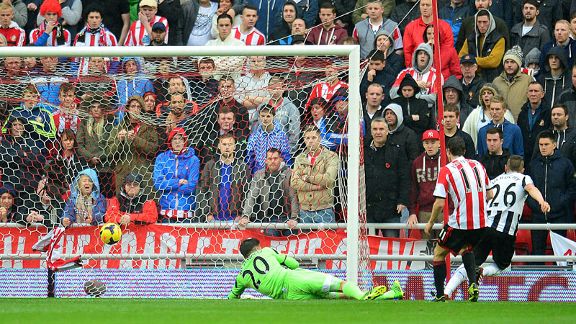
column 121, row 311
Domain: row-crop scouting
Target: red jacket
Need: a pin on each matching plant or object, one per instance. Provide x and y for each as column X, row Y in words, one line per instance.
column 413, row 36
column 450, row 63
column 15, row 36
column 423, row 183
column 148, row 215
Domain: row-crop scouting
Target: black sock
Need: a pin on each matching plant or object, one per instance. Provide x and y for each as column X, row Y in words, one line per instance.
column 439, row 277
column 470, row 266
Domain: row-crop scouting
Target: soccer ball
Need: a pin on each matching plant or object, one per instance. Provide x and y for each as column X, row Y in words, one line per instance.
column 95, row 288
column 110, row 233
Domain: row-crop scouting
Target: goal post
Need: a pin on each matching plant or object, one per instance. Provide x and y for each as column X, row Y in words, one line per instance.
column 357, row 253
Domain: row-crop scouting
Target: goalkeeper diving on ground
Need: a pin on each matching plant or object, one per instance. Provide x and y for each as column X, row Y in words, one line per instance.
column 278, row 276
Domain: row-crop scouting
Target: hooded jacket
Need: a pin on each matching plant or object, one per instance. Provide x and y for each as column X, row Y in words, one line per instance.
column 98, row 200
column 554, row 177
column 428, row 74
column 569, row 50
column 465, row 110
column 365, row 35
column 169, row 169
column 413, row 106
column 489, row 56
column 136, row 85
column 394, row 62
column 424, row 173
column 402, row 136
column 554, row 86
column 413, row 37
column 13, row 214
column 512, row 138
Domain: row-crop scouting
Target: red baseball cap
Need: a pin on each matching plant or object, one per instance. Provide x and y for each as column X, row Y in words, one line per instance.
column 430, row 134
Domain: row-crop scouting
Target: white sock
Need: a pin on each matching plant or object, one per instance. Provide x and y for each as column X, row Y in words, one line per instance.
column 491, row 269
column 458, row 277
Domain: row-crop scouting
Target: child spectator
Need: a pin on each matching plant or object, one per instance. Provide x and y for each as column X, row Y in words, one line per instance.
column 140, row 30
column 71, row 14
column 326, row 125
column 377, row 73
column 50, row 31
column 176, row 173
column 131, row 206
column 66, row 117
column 416, row 112
column 15, row 36
column 86, row 204
column 204, row 85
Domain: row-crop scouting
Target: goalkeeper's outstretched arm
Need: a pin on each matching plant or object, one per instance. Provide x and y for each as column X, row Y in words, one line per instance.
column 237, row 290
column 287, row 261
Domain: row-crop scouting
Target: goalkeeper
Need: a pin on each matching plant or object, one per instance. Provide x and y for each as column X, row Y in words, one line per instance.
column 278, row 276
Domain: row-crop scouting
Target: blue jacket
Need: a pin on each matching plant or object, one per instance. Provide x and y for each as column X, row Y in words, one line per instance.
column 169, row 168
column 455, row 16
column 554, row 177
column 260, row 141
column 136, row 85
column 99, row 207
column 512, row 139
column 269, row 13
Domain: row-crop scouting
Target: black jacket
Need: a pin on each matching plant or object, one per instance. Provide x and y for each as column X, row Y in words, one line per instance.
column 470, row 150
column 494, row 164
column 470, row 92
column 413, row 106
column 529, row 134
column 554, row 177
column 553, row 87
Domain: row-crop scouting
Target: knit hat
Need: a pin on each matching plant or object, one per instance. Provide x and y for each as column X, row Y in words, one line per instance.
column 51, row 6
column 532, row 57
column 515, row 54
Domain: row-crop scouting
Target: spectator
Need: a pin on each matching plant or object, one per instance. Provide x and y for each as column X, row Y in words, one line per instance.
column 308, row 10
column 71, row 14
column 197, row 22
column 399, row 135
column 365, row 30
column 327, row 88
column 96, row 80
column 49, row 79
column 66, row 117
column 133, row 83
column 176, row 174
column 451, row 130
column 93, row 134
column 553, row 175
column 287, row 114
column 178, row 111
column 555, row 76
column 132, row 145
column 33, row 9
column 204, row 86
column 325, row 124
column 404, row 13
column 512, row 84
column 224, row 6
column 468, row 27
column 415, row 111
column 393, row 61
column 512, row 134
column 530, row 33
column 424, row 173
column 561, row 39
column 377, row 72
column 223, row 182
column 283, row 28
column 15, row 36
column 172, row 10
column 533, row 118
column 172, row 85
column 50, row 31
column 140, row 30
column 9, row 211
column 94, row 33
column 339, row 103
column 423, row 72
column 314, row 178
column 328, row 33
column 158, row 36
column 270, row 198
column 415, row 30
column 373, row 107
column 131, row 206
column 489, row 55
column 565, row 135
column 267, row 134
column 454, row 13
column 550, row 11
column 496, row 156
column 361, row 11
column 86, row 204
column 450, row 60
column 226, row 64
column 226, row 124
column 471, row 82
column 246, row 32
column 115, row 15
column 251, row 90
column 387, row 188
column 453, row 96
column 344, row 12
column 568, row 96
column 20, row 12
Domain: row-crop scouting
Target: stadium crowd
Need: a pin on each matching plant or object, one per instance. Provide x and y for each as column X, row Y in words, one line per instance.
column 262, row 139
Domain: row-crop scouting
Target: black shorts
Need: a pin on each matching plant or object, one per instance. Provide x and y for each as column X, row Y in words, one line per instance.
column 500, row 244
column 455, row 239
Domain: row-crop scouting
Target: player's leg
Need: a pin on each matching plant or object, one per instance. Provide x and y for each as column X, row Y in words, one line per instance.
column 502, row 252
column 395, row 292
column 439, row 263
column 307, row 284
column 458, row 277
column 481, row 252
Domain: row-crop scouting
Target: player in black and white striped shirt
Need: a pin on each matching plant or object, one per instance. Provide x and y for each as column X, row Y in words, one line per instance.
column 504, row 212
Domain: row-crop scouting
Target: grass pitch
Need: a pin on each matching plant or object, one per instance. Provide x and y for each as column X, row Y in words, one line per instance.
column 123, row 311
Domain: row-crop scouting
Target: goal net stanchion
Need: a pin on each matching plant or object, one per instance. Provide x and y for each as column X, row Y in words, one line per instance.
column 45, row 180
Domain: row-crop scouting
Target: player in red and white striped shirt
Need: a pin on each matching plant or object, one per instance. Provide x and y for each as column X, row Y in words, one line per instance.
column 465, row 181
column 140, row 30
column 246, row 32
column 15, row 36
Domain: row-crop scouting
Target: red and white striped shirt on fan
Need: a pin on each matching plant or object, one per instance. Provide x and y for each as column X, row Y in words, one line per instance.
column 466, row 182
column 252, row 38
column 138, row 36
column 325, row 90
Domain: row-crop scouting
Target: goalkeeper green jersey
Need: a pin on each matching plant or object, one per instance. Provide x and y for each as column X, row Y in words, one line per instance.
column 264, row 270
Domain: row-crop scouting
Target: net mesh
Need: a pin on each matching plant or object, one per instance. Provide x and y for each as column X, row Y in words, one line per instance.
column 184, row 153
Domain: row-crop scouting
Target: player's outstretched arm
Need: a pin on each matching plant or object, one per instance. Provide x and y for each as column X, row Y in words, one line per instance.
column 238, row 288
column 537, row 195
column 287, row 261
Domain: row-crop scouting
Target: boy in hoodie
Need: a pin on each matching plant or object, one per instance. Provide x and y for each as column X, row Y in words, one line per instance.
column 555, row 76
column 133, row 83
column 422, row 72
column 86, row 204
column 415, row 111
column 130, row 206
column 400, row 135
column 486, row 44
column 176, row 174
column 377, row 72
